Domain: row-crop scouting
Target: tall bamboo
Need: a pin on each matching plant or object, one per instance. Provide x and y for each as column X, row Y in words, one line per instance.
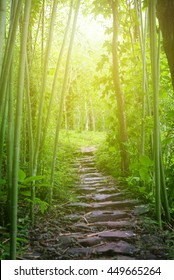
column 17, row 129
column 7, row 58
column 155, row 80
column 118, row 92
column 30, row 141
column 10, row 126
column 56, row 74
column 3, row 4
column 63, row 92
column 43, row 86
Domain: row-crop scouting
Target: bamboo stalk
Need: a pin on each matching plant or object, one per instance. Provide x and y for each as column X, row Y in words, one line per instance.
column 155, row 80
column 17, row 129
column 63, row 92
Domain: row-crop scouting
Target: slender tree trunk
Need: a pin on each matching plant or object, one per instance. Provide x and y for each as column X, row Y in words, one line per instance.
column 118, row 92
column 2, row 28
column 43, row 87
column 63, row 92
column 17, row 129
column 30, row 141
column 56, row 74
column 154, row 65
column 86, row 115
column 8, row 54
column 92, row 115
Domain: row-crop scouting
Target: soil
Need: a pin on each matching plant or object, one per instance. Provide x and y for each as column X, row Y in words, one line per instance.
column 104, row 223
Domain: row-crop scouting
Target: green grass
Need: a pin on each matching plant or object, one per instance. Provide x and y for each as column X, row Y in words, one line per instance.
column 82, row 139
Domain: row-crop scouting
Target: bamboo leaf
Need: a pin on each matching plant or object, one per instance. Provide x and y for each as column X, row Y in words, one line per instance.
column 146, row 161
column 21, row 175
column 32, row 178
column 26, row 193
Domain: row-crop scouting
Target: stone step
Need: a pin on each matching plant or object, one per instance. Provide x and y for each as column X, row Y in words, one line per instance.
column 91, row 175
column 107, row 249
column 98, row 216
column 118, row 234
column 107, row 189
column 98, row 238
column 110, row 205
column 94, row 180
column 80, row 205
column 88, row 164
column 107, row 197
column 85, row 189
column 86, row 159
column 112, row 224
column 100, row 197
column 112, row 248
column 115, row 204
column 88, row 150
column 87, row 170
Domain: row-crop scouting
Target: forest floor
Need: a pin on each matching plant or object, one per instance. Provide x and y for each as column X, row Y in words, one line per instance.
column 105, row 222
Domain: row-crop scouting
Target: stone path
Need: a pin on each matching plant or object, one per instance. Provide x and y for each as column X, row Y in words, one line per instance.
column 102, row 224
column 104, row 221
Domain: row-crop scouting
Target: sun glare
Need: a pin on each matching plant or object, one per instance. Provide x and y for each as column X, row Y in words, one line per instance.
column 92, row 30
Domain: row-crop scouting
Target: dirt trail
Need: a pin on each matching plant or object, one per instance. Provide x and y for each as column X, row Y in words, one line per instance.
column 103, row 224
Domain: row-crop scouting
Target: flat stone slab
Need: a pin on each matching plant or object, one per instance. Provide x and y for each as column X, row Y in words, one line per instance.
column 87, row 170
column 88, row 149
column 121, row 247
column 86, row 158
column 106, row 197
column 100, row 197
column 85, row 189
column 92, row 175
column 95, row 179
column 106, row 189
column 112, row 224
column 106, row 215
column 112, row 235
column 115, row 204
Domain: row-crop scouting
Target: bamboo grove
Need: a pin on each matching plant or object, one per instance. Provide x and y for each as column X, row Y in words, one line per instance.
column 50, row 81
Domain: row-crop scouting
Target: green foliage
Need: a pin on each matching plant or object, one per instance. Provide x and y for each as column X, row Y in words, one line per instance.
column 108, row 159
column 143, row 169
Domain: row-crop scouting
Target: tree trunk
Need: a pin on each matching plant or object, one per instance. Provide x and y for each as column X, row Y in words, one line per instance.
column 62, row 97
column 118, row 92
column 17, row 130
column 2, row 28
column 165, row 12
column 155, row 86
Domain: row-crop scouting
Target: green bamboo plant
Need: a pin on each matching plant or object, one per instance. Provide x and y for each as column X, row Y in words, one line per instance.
column 145, row 91
column 154, row 66
column 35, row 145
column 17, row 129
column 5, row 71
column 8, row 54
column 53, row 90
column 30, row 141
column 3, row 4
column 62, row 97
column 160, row 186
column 121, row 115
column 43, row 87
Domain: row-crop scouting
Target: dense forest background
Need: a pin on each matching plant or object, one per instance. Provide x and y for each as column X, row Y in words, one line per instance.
column 69, row 68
